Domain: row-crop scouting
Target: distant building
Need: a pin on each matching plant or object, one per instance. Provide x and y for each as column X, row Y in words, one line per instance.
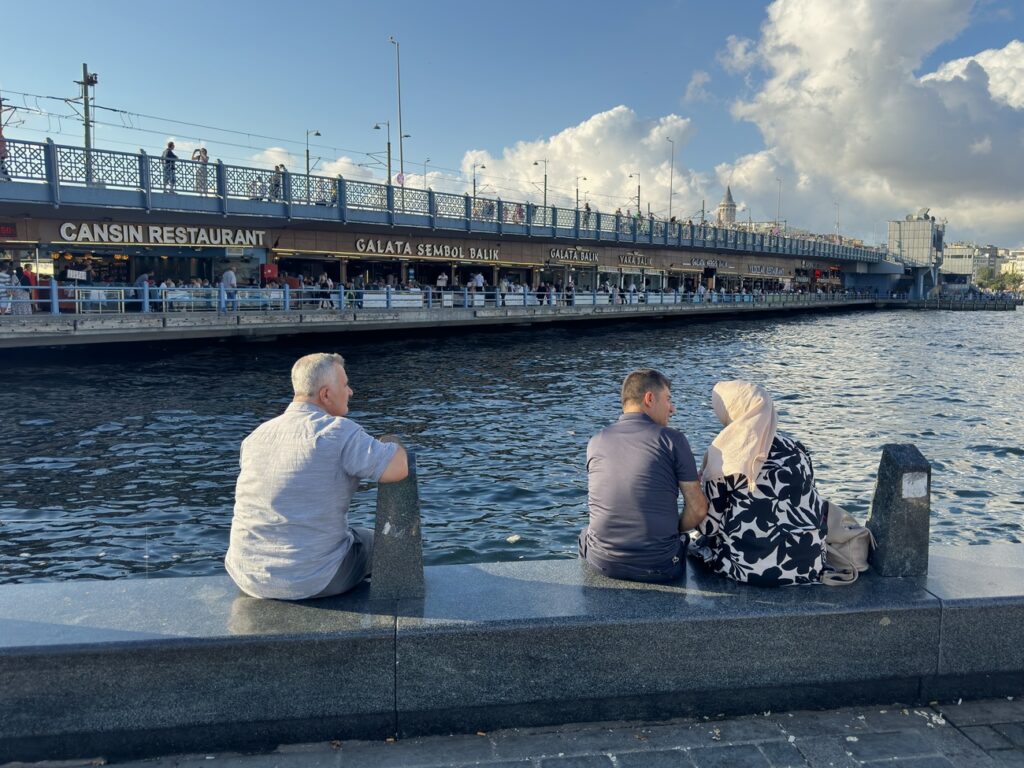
column 1013, row 264
column 726, row 209
column 917, row 239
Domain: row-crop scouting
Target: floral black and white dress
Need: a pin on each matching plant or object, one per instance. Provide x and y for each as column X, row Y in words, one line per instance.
column 773, row 536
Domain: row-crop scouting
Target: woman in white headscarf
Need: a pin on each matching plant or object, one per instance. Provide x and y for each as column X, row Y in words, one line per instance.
column 766, row 522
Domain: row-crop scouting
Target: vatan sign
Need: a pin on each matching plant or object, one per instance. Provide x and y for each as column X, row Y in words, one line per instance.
column 151, row 234
column 430, row 250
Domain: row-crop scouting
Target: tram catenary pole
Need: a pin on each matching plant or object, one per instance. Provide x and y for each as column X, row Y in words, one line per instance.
column 87, row 80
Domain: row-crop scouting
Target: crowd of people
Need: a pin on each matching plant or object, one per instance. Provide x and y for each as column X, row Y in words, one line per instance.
column 750, row 513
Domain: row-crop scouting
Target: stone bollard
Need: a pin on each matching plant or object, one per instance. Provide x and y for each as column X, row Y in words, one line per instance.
column 397, row 566
column 900, row 511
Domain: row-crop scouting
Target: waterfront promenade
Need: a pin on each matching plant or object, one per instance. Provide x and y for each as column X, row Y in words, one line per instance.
column 987, row 733
column 263, row 313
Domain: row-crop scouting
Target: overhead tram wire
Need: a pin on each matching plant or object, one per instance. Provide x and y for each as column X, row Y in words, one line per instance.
column 514, row 186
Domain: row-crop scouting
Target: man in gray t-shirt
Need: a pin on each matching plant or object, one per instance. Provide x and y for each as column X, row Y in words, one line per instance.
column 636, row 468
column 290, row 537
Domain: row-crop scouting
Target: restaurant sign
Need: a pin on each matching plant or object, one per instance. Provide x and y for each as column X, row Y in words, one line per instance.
column 128, row 234
column 429, row 250
column 634, row 260
column 762, row 269
column 711, row 263
column 573, row 254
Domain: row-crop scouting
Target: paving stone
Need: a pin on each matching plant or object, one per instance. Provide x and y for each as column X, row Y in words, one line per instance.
column 825, row 752
column 738, row 756
column 805, row 724
column 959, row 749
column 584, row 761
column 985, row 712
column 915, row 762
column 1012, row 731
column 782, row 754
column 1011, row 758
column 877, row 746
column 986, row 737
column 536, row 743
column 432, row 751
column 663, row 758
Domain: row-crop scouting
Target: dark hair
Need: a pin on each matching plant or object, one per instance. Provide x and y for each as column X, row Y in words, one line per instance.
column 642, row 381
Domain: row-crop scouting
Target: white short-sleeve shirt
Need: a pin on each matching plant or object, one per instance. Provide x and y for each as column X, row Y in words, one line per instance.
column 290, row 531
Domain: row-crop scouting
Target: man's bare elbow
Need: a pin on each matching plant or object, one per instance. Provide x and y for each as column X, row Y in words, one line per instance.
column 398, row 467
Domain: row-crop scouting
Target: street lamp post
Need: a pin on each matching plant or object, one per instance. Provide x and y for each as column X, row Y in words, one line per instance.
column 836, row 204
column 578, row 180
column 314, row 132
column 425, row 172
column 387, row 125
column 671, row 175
column 401, row 134
column 637, row 175
column 778, row 206
column 481, row 166
column 538, row 162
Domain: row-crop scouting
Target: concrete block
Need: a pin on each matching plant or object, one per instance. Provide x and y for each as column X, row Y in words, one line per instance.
column 534, row 643
column 397, row 566
column 899, row 517
column 982, row 594
column 135, row 667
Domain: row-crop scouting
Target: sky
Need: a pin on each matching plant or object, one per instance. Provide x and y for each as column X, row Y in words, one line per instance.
column 827, row 114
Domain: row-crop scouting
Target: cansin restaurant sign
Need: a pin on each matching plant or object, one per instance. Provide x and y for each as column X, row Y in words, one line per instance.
column 128, row 234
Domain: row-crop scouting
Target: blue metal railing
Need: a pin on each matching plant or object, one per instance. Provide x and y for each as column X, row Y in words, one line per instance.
column 76, row 299
column 65, row 166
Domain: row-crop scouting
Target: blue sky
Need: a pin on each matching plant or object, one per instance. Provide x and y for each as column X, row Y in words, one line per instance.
column 506, row 84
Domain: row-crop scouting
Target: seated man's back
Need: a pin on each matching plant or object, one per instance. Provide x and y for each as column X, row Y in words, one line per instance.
column 290, row 537
column 636, row 469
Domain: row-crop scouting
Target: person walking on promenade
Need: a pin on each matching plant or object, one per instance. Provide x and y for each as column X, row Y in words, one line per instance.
column 290, row 537
column 229, row 282
column 766, row 524
column 202, row 157
column 636, row 469
column 169, row 160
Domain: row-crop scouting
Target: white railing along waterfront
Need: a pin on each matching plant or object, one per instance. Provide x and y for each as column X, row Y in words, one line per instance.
column 77, row 299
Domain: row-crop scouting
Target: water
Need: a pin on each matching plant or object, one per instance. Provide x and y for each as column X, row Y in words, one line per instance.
column 123, row 463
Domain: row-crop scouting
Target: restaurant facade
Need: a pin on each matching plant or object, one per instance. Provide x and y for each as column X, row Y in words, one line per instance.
column 117, row 252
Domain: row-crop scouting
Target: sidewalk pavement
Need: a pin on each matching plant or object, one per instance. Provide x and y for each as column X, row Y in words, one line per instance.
column 975, row 734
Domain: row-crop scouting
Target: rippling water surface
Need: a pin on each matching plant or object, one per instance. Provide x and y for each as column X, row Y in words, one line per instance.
column 118, row 464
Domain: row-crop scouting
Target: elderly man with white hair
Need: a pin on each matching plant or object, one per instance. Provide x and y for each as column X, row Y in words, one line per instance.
column 290, row 537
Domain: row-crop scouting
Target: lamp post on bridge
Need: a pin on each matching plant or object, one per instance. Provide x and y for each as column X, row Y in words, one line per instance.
column 481, row 166
column 538, row 162
column 401, row 134
column 313, row 132
column 425, row 173
column 636, row 174
column 387, row 125
column 671, row 175
column 578, row 180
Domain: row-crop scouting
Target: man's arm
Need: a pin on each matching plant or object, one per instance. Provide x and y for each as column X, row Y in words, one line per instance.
column 695, row 506
column 397, row 469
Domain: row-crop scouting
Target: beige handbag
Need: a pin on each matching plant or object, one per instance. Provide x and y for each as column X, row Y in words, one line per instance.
column 848, row 545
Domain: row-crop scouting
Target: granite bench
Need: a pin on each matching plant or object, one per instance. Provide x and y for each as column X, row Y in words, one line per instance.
column 155, row 666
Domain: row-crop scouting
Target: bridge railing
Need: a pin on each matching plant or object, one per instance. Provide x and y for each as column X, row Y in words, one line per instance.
column 58, row 165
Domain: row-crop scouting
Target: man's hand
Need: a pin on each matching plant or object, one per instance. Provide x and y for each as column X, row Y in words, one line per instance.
column 695, row 506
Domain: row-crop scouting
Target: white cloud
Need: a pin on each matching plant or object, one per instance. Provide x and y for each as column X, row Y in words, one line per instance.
column 740, row 54
column 845, row 118
column 1004, row 67
column 982, row 146
column 603, row 151
column 695, row 90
